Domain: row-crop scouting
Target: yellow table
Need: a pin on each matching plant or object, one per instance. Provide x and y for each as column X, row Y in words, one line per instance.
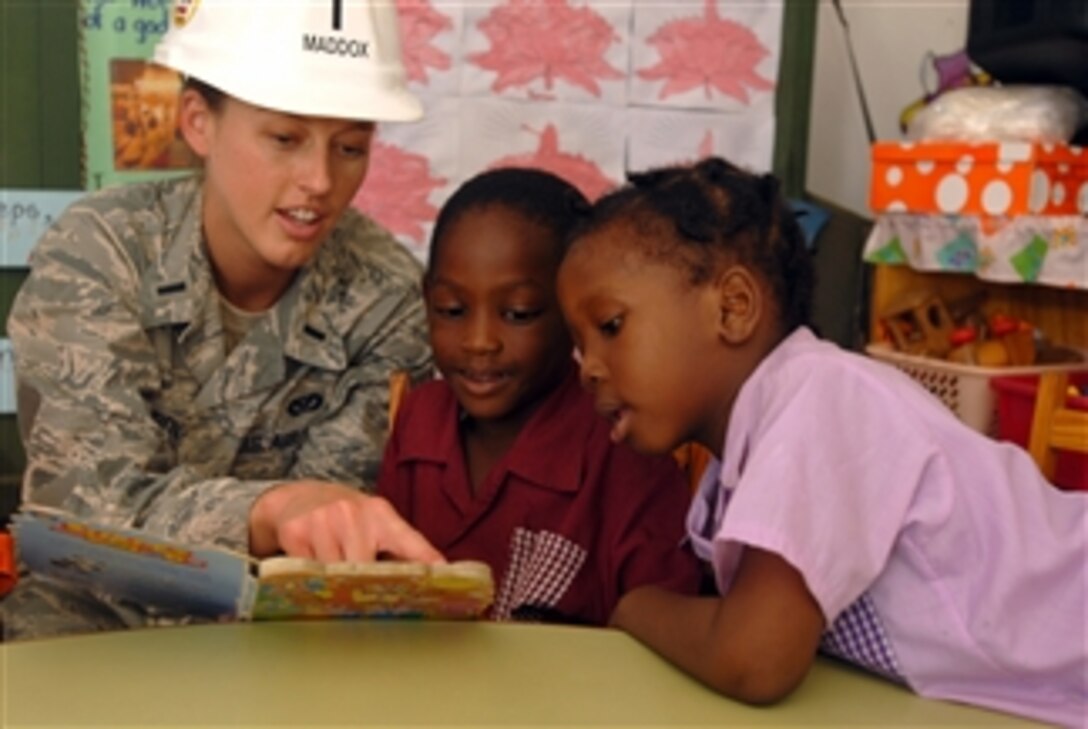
column 378, row 673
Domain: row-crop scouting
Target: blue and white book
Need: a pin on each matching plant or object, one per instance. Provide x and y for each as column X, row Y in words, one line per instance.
column 168, row 577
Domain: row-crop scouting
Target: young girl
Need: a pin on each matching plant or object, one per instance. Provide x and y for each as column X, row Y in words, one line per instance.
column 504, row 459
column 850, row 511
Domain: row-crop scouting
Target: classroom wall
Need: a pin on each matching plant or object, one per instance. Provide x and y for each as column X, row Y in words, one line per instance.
column 891, row 39
column 40, row 144
column 40, row 133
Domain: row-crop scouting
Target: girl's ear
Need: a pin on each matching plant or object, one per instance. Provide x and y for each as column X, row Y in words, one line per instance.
column 740, row 304
column 196, row 120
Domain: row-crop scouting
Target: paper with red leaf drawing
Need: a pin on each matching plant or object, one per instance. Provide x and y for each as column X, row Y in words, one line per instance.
column 550, row 155
column 547, row 50
column 658, row 137
column 430, row 34
column 585, row 88
column 579, row 142
column 725, row 56
column 406, row 200
column 399, row 193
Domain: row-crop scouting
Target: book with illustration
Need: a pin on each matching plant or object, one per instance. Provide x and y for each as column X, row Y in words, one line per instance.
column 161, row 574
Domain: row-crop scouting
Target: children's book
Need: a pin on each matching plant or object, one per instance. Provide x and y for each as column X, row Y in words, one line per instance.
column 218, row 583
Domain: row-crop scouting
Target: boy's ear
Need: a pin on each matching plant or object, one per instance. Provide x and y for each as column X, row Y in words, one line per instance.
column 740, row 304
column 195, row 120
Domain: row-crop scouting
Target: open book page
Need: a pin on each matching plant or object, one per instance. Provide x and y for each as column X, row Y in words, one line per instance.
column 134, row 565
column 290, row 587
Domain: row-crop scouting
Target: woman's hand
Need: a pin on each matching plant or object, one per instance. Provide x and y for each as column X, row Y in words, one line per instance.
column 331, row 522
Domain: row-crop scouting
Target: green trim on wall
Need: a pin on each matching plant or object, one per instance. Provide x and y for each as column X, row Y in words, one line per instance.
column 39, row 94
column 20, row 132
column 58, row 58
column 39, row 145
column 793, row 99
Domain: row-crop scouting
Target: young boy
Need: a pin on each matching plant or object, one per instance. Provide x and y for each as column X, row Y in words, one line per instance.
column 207, row 358
column 504, row 460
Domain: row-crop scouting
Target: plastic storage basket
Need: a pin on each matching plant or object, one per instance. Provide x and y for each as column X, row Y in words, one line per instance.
column 965, row 389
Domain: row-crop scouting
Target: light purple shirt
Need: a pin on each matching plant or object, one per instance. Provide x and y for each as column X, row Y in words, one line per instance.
column 939, row 557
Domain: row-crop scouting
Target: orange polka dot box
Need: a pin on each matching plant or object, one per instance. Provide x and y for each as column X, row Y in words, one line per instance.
column 984, row 178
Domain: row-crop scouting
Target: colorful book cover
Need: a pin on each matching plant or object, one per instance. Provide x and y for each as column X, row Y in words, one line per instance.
column 133, row 565
column 298, row 588
column 129, row 106
column 218, row 583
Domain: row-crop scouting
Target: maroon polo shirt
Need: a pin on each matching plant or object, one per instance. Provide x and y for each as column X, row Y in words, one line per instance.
column 567, row 520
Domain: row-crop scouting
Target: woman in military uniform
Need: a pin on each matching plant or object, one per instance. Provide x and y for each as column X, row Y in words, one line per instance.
column 207, row 357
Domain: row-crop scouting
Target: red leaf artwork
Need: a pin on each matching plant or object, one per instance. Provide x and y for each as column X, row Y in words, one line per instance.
column 574, row 168
column 549, row 40
column 419, row 24
column 396, row 191
column 710, row 52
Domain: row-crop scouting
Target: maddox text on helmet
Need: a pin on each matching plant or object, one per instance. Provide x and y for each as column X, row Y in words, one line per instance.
column 335, row 46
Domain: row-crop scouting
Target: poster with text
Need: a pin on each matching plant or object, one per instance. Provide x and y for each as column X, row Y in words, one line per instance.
column 129, row 106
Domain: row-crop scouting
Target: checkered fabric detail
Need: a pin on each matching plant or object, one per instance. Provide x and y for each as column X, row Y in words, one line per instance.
column 542, row 567
column 858, row 636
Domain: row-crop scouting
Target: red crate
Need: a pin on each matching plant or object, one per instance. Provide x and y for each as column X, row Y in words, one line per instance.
column 8, row 572
column 1015, row 407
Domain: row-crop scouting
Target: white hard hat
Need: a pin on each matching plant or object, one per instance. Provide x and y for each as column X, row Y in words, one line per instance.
column 334, row 58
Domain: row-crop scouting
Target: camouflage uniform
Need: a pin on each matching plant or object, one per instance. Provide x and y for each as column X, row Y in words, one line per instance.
column 144, row 421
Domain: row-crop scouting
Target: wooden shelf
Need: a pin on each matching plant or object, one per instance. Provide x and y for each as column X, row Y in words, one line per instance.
column 1062, row 314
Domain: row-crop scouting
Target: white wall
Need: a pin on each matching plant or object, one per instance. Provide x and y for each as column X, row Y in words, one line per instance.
column 891, row 39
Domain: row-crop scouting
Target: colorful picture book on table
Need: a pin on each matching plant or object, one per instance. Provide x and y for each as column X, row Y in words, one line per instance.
column 177, row 578
column 129, row 106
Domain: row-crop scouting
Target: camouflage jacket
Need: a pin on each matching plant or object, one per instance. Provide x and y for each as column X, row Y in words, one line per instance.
column 143, row 421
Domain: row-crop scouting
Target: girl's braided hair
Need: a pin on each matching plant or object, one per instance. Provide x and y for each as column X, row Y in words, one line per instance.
column 713, row 212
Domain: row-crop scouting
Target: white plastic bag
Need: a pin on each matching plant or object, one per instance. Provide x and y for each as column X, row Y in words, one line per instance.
column 1015, row 113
